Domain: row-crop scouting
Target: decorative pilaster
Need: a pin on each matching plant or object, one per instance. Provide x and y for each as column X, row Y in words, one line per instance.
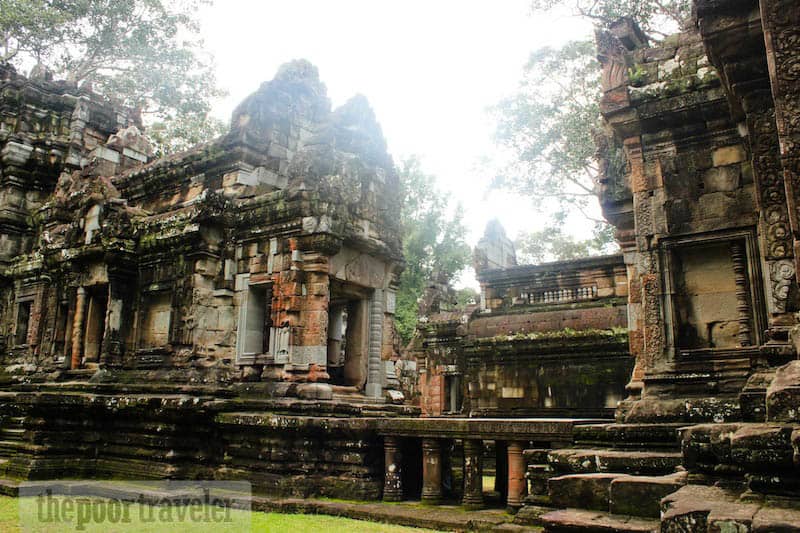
column 473, row 474
column 77, row 327
column 374, row 388
column 516, row 474
column 431, row 471
column 739, row 259
column 393, row 474
column 780, row 20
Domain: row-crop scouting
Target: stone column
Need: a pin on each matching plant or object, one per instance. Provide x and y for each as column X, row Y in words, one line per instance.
column 393, row 475
column 111, row 351
column 516, row 474
column 501, row 468
column 431, row 471
column 374, row 387
column 77, row 327
column 739, row 257
column 68, row 336
column 473, row 474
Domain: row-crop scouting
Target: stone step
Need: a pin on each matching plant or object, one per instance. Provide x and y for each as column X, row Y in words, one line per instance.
column 629, row 435
column 581, row 491
column 514, row 528
column 14, row 422
column 536, row 455
column 699, row 507
column 582, row 521
column 641, row 495
column 9, row 487
column 576, row 461
column 613, row 492
column 12, row 433
column 13, row 447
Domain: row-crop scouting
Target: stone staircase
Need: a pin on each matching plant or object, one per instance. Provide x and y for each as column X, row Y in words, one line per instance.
column 12, row 441
column 16, row 447
column 613, row 479
column 635, row 478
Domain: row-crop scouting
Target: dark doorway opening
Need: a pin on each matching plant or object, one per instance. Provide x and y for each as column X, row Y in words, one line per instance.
column 411, row 450
column 348, row 335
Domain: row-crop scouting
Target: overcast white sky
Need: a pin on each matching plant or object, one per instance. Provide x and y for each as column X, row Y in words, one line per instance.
column 430, row 69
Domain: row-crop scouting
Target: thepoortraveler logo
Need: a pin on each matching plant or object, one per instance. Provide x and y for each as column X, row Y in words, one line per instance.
column 122, row 506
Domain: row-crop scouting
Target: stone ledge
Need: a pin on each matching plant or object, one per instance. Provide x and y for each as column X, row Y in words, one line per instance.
column 579, row 520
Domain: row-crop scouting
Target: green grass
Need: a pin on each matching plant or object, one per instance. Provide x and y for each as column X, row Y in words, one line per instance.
column 259, row 522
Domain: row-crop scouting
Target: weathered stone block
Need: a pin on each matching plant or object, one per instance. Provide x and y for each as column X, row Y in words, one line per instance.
column 776, row 520
column 728, row 155
column 584, row 491
column 723, row 179
column 762, row 447
column 706, row 445
column 640, row 495
column 783, row 394
column 570, row 520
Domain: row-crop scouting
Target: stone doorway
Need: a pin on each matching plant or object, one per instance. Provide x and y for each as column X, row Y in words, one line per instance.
column 96, row 310
column 348, row 336
column 713, row 301
column 411, row 450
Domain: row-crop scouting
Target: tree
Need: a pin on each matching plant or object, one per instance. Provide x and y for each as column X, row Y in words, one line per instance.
column 182, row 133
column 552, row 244
column 549, row 125
column 433, row 242
column 144, row 53
column 654, row 17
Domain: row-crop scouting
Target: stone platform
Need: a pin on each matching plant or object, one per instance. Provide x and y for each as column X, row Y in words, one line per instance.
column 285, row 447
column 532, row 429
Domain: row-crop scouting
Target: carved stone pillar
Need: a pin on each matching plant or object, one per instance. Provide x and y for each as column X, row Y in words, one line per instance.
column 473, row 474
column 374, row 387
column 516, row 474
column 77, row 327
column 431, row 471
column 111, row 352
column 739, row 258
column 393, row 474
column 501, row 469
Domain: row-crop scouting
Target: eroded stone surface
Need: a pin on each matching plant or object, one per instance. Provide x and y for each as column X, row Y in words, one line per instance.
column 783, row 394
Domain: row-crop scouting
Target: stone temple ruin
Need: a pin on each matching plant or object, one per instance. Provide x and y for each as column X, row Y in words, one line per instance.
column 227, row 312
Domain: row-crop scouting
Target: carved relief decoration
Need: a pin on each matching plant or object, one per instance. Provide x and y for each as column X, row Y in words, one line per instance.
column 781, row 23
column 781, row 276
column 772, row 201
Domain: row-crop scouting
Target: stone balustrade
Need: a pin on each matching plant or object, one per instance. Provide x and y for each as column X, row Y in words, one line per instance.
column 434, row 438
column 573, row 294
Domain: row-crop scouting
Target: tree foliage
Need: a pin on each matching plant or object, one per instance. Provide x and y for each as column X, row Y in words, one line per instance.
column 433, row 242
column 144, row 53
column 549, row 124
column 654, row 17
column 551, row 243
